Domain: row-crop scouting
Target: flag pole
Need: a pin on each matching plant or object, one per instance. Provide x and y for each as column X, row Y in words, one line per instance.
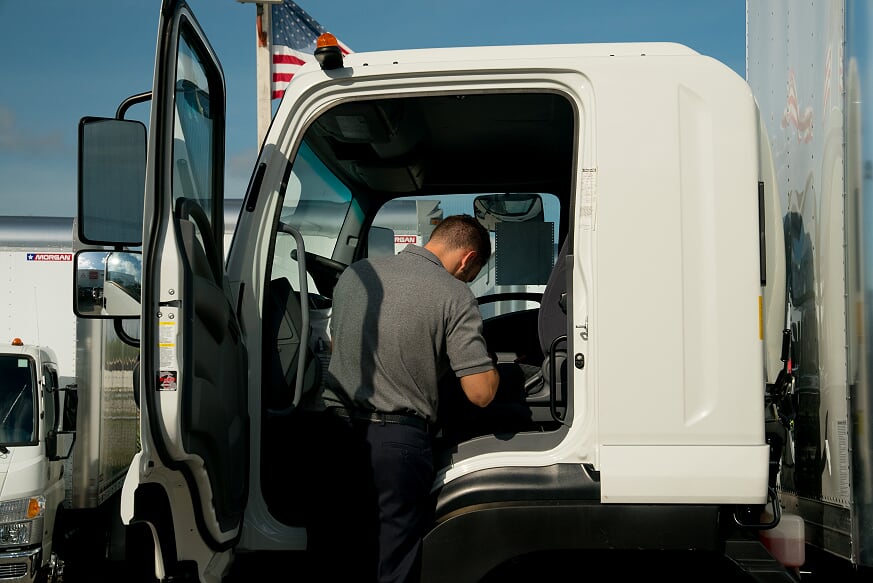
column 263, row 63
column 264, row 68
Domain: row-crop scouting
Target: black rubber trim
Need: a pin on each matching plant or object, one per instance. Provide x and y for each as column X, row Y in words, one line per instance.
column 505, row 513
column 517, row 484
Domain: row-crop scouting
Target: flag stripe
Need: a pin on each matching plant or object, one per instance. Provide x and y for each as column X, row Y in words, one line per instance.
column 291, row 59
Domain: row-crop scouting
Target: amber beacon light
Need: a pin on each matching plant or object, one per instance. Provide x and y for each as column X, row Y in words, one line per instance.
column 328, row 52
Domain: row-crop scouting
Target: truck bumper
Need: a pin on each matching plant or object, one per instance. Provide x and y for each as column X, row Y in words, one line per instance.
column 20, row 566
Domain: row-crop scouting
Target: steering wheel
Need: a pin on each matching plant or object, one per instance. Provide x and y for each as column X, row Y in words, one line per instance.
column 324, row 263
column 324, row 271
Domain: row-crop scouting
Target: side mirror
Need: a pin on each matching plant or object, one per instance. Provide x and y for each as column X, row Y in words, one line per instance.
column 108, row 284
column 112, row 164
column 59, row 441
column 70, row 409
column 63, row 440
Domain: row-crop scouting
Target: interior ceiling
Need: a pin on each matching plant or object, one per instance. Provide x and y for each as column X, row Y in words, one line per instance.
column 494, row 142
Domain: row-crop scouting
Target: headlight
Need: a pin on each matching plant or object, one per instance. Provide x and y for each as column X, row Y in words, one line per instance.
column 15, row 533
column 17, row 517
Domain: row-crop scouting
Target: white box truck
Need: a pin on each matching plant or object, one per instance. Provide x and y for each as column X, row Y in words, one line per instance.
column 810, row 70
column 646, row 370
column 80, row 408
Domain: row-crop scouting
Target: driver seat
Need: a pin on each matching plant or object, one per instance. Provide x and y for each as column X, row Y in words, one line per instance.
column 282, row 336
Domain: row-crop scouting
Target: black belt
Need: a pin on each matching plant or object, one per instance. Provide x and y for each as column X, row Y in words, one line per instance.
column 377, row 417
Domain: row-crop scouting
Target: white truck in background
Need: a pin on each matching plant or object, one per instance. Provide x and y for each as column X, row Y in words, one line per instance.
column 809, row 66
column 82, row 416
column 32, row 469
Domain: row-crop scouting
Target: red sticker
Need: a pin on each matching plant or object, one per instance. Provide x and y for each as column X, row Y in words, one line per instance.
column 167, row 380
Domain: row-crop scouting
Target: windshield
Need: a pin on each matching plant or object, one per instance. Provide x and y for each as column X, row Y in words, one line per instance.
column 523, row 239
column 16, row 399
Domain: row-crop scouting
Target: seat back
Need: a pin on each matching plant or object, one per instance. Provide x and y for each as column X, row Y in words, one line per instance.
column 552, row 321
column 552, row 325
column 282, row 328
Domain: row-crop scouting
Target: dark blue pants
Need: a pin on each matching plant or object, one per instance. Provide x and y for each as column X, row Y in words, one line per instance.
column 369, row 490
column 402, row 462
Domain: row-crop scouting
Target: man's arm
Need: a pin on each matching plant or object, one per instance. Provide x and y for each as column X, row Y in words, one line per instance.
column 480, row 387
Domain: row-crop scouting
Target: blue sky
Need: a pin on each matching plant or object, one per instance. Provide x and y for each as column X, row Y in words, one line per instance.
column 63, row 60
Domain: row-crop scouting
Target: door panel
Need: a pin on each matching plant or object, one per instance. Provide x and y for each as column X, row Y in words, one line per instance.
column 213, row 421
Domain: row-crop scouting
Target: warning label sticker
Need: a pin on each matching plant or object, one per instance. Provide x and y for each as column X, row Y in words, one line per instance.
column 167, row 380
column 167, row 345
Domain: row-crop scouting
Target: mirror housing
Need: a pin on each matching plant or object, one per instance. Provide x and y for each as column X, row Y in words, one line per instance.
column 59, row 441
column 112, row 165
column 51, row 445
column 510, row 207
column 108, row 284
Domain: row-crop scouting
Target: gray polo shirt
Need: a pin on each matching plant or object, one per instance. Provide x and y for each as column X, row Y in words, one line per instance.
column 398, row 324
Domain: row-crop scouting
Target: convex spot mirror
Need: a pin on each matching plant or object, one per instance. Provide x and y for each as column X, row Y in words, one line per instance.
column 108, row 284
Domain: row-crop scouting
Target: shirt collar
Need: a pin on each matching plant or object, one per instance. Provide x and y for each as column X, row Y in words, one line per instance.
column 423, row 253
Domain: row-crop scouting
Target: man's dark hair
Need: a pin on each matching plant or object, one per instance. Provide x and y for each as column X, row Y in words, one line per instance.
column 464, row 231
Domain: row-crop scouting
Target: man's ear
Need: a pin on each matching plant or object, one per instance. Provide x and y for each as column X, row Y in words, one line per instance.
column 469, row 259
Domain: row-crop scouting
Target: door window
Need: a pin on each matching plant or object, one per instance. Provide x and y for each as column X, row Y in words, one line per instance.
column 196, row 184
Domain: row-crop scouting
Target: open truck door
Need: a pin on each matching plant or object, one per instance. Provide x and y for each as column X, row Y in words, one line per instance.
column 193, row 467
column 195, row 426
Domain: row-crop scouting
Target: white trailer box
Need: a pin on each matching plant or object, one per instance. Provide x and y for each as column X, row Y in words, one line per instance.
column 36, row 263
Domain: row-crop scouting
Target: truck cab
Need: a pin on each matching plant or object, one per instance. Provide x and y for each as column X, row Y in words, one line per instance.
column 634, row 299
column 31, row 471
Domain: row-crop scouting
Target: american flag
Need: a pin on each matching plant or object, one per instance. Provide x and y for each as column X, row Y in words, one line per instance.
column 294, row 36
column 791, row 116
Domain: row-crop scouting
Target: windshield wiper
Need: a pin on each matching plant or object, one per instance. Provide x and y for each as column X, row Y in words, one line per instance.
column 12, row 406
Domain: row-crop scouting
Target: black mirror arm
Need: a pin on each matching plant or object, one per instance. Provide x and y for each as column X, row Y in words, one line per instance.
column 123, row 335
column 130, row 102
